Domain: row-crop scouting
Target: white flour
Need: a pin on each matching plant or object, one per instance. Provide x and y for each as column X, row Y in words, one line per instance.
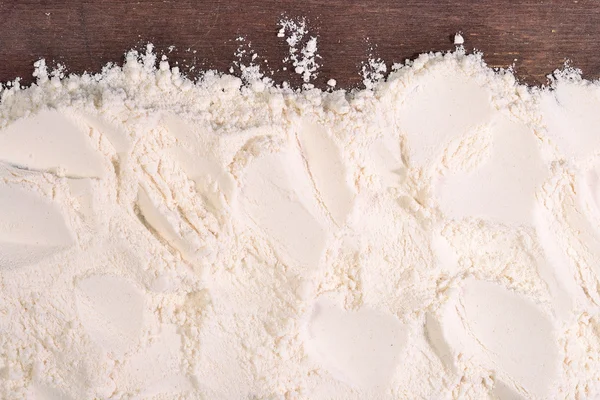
column 435, row 237
column 302, row 50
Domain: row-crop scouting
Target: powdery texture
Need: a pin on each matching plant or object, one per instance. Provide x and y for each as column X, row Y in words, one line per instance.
column 435, row 237
column 302, row 48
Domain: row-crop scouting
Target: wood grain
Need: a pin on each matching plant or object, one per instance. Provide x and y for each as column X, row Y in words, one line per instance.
column 537, row 36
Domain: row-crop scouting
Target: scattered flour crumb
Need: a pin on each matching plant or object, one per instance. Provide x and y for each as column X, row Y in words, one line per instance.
column 246, row 62
column 302, row 48
column 459, row 39
column 373, row 71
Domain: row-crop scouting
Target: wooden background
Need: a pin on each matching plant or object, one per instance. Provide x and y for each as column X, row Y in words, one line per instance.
column 537, row 36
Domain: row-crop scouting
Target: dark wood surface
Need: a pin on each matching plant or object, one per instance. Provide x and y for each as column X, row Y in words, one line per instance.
column 537, row 36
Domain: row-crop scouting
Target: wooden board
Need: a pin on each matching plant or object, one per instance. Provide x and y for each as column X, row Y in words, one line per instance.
column 535, row 36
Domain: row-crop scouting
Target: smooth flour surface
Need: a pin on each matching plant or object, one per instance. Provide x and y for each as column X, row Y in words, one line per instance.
column 436, row 236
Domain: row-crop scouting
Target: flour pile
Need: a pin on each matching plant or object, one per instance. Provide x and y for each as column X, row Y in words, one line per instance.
column 436, row 236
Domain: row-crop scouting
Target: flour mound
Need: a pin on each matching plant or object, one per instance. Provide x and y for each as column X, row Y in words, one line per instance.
column 435, row 235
